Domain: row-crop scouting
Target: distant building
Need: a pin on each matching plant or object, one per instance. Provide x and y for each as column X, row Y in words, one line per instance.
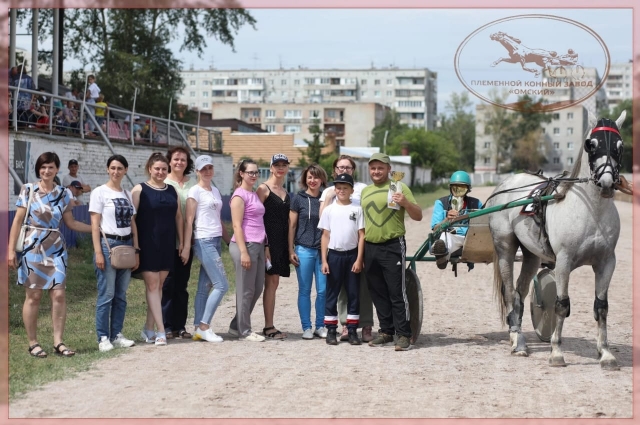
column 411, row 92
column 619, row 84
column 349, row 123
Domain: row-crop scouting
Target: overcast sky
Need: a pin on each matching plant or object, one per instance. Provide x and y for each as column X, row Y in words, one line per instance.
column 406, row 38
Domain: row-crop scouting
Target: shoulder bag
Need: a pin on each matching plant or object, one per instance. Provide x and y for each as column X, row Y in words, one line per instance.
column 24, row 227
column 123, row 256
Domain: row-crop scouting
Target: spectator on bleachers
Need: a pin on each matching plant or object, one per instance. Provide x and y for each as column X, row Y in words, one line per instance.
column 102, row 109
column 73, row 94
column 90, row 109
column 137, row 128
column 70, row 117
column 39, row 110
column 150, row 132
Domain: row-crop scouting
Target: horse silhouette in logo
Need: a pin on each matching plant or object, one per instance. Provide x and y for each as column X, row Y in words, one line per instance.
column 519, row 53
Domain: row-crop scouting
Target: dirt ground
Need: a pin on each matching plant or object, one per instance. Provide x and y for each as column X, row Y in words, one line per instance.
column 460, row 367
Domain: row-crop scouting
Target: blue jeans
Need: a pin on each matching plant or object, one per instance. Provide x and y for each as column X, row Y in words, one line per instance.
column 212, row 274
column 310, row 264
column 112, row 294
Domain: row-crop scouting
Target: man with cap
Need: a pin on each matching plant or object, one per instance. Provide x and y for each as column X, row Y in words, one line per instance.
column 384, row 253
column 75, row 189
column 74, row 176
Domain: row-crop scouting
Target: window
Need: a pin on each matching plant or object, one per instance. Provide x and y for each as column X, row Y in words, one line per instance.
column 205, row 104
column 285, row 94
column 283, row 82
column 325, row 80
column 569, row 131
column 270, row 113
column 544, row 130
column 296, row 82
column 215, row 93
column 291, row 113
column 487, row 145
column 410, row 104
column 389, row 93
column 376, row 82
column 487, row 160
column 258, row 81
column 192, row 94
column 487, row 130
column 314, row 113
column 363, row 82
column 192, row 105
column 271, row 128
column 255, row 93
column 569, row 145
column 205, row 83
column 363, row 93
column 376, row 93
column 570, row 161
column 218, row 81
column 192, row 82
column 556, row 130
column 556, row 116
column 569, row 115
column 556, row 145
column 205, row 94
column 389, row 82
column 292, row 129
column 309, row 80
column 556, row 160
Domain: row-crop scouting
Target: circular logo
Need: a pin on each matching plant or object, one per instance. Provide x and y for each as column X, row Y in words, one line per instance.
column 544, row 57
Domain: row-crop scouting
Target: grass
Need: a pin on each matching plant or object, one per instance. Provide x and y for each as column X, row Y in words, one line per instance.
column 426, row 200
column 27, row 373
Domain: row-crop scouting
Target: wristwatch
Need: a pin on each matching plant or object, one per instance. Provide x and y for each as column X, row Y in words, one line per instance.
column 137, row 250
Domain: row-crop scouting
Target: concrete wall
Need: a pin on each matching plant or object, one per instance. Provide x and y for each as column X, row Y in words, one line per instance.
column 92, row 157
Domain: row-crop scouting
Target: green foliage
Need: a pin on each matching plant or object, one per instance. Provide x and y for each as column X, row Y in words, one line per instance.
column 460, row 128
column 313, row 153
column 427, row 149
column 126, row 48
column 390, row 123
column 626, row 132
column 27, row 373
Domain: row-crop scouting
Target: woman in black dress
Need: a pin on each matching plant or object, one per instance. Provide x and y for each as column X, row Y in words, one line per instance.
column 158, row 220
column 276, row 222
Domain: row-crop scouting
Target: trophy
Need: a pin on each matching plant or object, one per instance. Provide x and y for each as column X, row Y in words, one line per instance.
column 395, row 187
column 457, row 202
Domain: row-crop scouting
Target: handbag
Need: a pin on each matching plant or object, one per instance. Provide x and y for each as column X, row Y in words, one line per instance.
column 121, row 257
column 23, row 229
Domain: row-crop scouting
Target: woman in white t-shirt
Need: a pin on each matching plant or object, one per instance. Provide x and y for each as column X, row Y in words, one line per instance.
column 204, row 204
column 112, row 213
column 346, row 165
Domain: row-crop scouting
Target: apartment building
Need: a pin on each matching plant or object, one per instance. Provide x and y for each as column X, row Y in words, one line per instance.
column 619, row 84
column 563, row 136
column 349, row 123
column 412, row 92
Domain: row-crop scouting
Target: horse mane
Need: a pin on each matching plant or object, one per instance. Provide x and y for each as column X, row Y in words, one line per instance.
column 517, row 40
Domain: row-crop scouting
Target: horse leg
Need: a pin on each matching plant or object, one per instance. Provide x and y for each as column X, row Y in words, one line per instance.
column 563, row 309
column 530, row 264
column 600, row 309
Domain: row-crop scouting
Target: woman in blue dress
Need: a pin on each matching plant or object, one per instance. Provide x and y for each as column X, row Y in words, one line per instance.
column 43, row 262
column 158, row 220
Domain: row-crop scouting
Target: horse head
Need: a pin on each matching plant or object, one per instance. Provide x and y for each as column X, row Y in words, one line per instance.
column 604, row 148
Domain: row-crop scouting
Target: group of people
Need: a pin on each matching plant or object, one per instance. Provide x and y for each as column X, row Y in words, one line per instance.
column 347, row 237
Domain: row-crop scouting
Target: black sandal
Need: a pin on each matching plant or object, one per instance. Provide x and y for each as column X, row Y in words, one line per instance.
column 273, row 335
column 184, row 334
column 64, row 353
column 41, row 354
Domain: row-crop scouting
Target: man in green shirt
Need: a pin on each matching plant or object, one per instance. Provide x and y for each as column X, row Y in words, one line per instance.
column 384, row 253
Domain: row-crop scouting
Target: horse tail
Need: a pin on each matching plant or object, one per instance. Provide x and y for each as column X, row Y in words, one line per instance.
column 498, row 288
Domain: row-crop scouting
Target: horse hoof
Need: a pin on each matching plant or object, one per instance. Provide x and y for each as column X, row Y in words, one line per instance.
column 557, row 362
column 609, row 365
column 520, row 353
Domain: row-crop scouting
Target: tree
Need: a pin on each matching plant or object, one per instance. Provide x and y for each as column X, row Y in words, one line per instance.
column 313, row 152
column 460, row 128
column 427, row 149
column 127, row 47
column 390, row 123
column 626, row 132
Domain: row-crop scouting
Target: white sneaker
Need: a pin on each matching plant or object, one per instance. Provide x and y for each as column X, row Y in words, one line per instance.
column 207, row 335
column 307, row 334
column 321, row 332
column 105, row 344
column 122, row 342
column 253, row 337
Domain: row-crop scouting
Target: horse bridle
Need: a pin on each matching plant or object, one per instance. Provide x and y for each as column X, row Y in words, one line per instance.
column 606, row 146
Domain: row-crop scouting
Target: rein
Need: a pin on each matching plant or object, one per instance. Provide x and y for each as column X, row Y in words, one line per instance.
column 554, row 181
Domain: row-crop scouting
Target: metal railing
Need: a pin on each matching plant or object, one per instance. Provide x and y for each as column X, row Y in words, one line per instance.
column 63, row 116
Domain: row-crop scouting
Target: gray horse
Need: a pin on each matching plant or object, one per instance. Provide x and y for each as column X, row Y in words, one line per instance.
column 581, row 229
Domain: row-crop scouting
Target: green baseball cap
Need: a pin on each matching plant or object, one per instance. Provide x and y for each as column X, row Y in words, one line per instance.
column 382, row 157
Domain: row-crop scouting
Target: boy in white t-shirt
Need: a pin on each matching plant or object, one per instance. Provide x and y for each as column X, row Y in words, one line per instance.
column 342, row 248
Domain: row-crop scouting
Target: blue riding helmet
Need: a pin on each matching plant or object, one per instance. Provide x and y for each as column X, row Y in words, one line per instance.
column 460, row 177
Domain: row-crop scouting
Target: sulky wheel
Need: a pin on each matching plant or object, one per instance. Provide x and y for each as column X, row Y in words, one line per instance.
column 414, row 295
column 543, row 304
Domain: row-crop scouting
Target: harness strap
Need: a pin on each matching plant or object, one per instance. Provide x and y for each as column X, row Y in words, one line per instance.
column 605, row 129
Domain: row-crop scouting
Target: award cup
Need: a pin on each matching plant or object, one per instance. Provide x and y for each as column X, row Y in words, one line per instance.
column 395, row 187
column 457, row 202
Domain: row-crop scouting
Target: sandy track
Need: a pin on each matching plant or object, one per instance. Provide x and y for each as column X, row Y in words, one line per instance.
column 460, row 367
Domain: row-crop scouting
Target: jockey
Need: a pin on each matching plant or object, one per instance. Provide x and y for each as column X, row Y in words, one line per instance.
column 447, row 208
